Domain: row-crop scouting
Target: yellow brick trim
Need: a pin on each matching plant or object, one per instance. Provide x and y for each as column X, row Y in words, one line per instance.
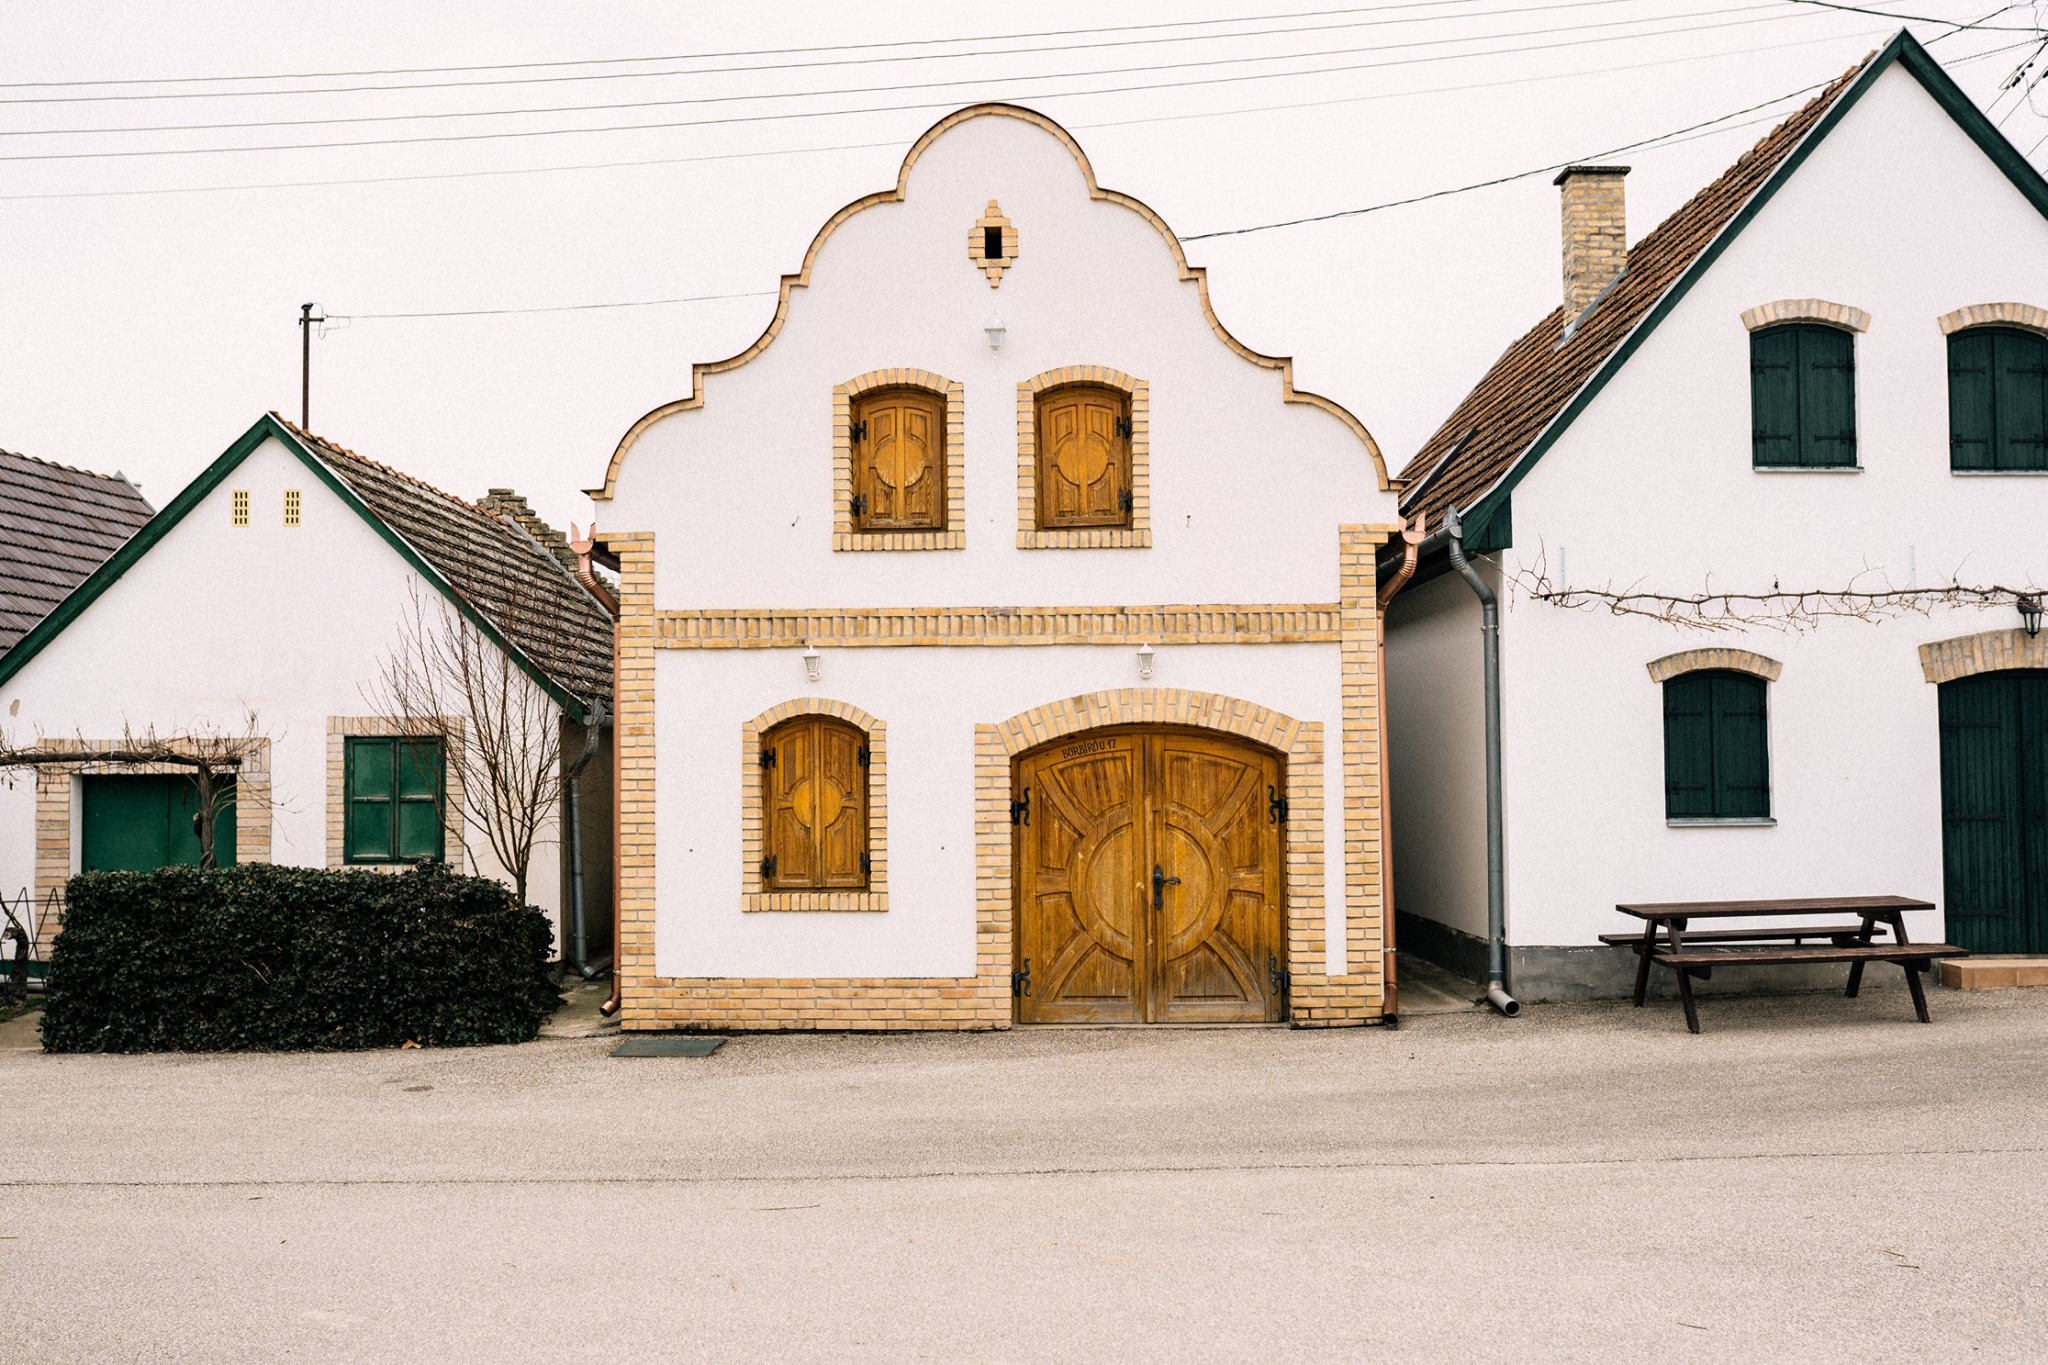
column 953, row 536
column 1360, row 992
column 1693, row 660
column 1806, row 310
column 999, row 748
column 55, row 835
column 911, row 627
column 1993, row 651
column 1136, row 536
column 339, row 730
column 2024, row 315
column 634, row 753
column 992, row 217
column 753, row 896
column 1195, row 275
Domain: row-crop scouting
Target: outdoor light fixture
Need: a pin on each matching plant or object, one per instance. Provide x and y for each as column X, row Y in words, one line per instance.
column 1146, row 652
column 2030, row 614
column 810, row 661
column 995, row 329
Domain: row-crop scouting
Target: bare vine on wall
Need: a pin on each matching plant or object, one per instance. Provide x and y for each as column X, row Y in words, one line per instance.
column 1779, row 608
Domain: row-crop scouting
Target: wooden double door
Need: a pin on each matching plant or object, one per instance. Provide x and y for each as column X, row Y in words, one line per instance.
column 1149, row 880
column 1994, row 811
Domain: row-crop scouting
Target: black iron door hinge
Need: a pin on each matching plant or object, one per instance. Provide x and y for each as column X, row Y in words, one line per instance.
column 767, row 758
column 1020, row 809
column 1123, row 427
column 768, row 866
column 1281, row 979
column 1123, row 500
column 859, row 431
column 867, row 864
column 860, row 756
column 860, row 504
column 1020, row 980
column 1276, row 806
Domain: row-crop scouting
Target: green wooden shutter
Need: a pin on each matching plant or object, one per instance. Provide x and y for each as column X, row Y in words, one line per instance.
column 2033, row 761
column 1742, row 754
column 1971, row 411
column 418, row 785
column 1982, row 814
column 1827, row 397
column 1688, row 748
column 2019, row 382
column 136, row 822
column 1774, row 397
column 370, row 785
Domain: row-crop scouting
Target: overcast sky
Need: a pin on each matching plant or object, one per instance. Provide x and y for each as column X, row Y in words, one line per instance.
column 145, row 331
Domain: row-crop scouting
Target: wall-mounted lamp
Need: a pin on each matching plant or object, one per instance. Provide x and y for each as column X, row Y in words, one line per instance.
column 1145, row 656
column 995, row 330
column 810, row 661
column 2030, row 614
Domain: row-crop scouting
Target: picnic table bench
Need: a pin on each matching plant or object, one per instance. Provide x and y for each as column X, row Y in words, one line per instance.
column 1668, row 940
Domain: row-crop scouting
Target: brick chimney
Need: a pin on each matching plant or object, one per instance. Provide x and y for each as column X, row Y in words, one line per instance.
column 1595, row 233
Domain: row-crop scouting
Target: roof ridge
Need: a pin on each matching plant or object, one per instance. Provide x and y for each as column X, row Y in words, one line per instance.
column 115, row 477
column 336, row 448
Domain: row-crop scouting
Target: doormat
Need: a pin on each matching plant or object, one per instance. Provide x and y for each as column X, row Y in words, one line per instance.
column 668, row 1047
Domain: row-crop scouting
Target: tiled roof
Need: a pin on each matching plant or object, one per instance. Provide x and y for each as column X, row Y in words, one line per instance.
column 1537, row 377
column 57, row 525
column 494, row 562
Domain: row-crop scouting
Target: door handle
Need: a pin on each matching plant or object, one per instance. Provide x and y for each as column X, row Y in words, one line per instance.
column 1160, row 881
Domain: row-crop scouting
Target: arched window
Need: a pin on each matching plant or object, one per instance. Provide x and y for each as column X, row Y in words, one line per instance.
column 1717, row 762
column 1997, row 399
column 1084, row 457
column 898, row 439
column 1802, row 397
column 814, row 797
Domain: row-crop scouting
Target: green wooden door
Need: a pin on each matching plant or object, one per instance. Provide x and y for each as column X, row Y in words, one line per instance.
column 135, row 823
column 1994, row 811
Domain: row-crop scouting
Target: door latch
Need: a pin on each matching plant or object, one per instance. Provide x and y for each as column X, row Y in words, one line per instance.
column 1280, row 978
column 1160, row 881
column 1276, row 806
column 1020, row 980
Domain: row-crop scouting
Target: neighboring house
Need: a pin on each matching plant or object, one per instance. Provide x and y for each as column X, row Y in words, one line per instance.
column 57, row 524
column 1822, row 376
column 999, row 636
column 257, row 614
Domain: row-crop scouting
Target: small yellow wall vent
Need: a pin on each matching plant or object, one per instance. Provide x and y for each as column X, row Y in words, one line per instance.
column 238, row 507
column 291, row 507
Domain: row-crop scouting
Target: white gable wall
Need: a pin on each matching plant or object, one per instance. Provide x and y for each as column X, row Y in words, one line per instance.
column 1897, row 213
column 216, row 621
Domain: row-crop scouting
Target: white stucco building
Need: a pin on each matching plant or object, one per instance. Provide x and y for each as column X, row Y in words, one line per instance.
column 1820, row 378
column 999, row 636
column 257, row 612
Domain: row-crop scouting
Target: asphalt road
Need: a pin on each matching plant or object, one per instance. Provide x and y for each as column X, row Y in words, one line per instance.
column 1812, row 1179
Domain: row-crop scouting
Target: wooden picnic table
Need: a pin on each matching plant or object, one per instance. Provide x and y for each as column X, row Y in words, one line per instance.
column 1667, row 939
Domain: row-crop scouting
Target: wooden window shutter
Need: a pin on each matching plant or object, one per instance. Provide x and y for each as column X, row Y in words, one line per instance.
column 368, row 784
column 416, row 784
column 1688, row 748
column 2019, row 392
column 815, row 806
column 899, row 460
column 1774, row 397
column 1827, row 397
column 1742, row 783
column 1971, row 415
column 1084, row 457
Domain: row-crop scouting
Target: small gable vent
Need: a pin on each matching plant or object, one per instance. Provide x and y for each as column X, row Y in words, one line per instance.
column 291, row 507
column 238, row 507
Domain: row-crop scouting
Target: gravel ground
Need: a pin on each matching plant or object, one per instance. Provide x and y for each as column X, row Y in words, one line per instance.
column 1812, row 1178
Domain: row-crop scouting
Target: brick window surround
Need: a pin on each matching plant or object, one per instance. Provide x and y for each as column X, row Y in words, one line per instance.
column 1138, row 535
column 1694, row 660
column 845, row 536
column 1991, row 651
column 2025, row 316
column 1806, row 310
column 340, row 729
column 754, row 896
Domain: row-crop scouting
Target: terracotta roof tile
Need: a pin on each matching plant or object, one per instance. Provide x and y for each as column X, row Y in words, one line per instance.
column 57, row 524
column 1537, row 377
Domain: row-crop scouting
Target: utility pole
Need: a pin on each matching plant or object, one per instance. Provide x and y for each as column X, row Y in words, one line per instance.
column 306, row 321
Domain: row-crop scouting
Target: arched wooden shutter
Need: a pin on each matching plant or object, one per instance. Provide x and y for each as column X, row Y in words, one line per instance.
column 815, row 797
column 1084, row 457
column 1997, row 399
column 1802, row 393
column 899, row 460
column 1716, row 747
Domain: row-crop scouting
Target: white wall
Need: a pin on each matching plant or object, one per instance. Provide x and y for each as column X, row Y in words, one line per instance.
column 1652, row 488
column 1436, row 757
column 930, row 700
column 218, row 621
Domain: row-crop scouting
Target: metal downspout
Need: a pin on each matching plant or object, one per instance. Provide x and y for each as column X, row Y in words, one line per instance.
column 593, row 728
column 1411, row 550
column 582, row 544
column 1496, row 877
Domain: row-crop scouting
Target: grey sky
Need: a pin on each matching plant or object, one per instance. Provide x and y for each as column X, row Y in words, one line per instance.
column 145, row 331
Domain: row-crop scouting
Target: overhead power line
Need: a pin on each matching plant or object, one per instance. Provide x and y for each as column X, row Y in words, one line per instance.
column 1237, row 78
column 895, row 88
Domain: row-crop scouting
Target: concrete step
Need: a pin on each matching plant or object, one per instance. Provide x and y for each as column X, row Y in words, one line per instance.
column 1994, row 973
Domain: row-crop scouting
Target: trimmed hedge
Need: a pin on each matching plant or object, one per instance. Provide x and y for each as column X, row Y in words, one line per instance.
column 260, row 957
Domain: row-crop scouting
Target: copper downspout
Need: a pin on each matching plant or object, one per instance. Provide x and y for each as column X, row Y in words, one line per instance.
column 582, row 546
column 1411, row 551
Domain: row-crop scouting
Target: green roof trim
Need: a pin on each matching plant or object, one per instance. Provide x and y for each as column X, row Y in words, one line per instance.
column 1490, row 510
column 160, row 525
